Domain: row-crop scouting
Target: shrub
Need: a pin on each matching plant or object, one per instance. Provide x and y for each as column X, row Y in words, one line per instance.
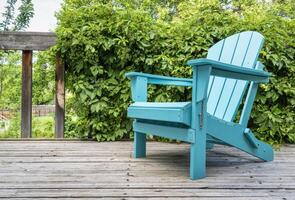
column 43, row 127
column 102, row 40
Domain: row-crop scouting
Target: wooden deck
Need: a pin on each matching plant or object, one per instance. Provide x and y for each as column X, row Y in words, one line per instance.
column 91, row 170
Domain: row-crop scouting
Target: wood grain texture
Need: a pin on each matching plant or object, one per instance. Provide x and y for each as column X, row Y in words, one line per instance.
column 59, row 97
column 26, row 101
column 91, row 170
column 26, row 40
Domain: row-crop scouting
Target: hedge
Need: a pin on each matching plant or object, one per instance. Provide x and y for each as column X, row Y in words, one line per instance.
column 101, row 40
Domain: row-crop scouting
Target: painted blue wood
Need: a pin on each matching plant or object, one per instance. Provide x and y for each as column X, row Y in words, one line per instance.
column 218, row 85
column 237, row 87
column 168, row 105
column 226, row 56
column 214, row 54
column 139, row 145
column 161, row 80
column 216, row 141
column 139, row 94
column 233, row 134
column 211, row 81
column 179, row 112
column 139, row 88
column 225, row 98
column 250, row 99
column 201, row 75
column 251, row 138
column 181, row 134
column 256, row 41
column 209, row 145
column 231, row 71
column 241, row 50
column 200, row 83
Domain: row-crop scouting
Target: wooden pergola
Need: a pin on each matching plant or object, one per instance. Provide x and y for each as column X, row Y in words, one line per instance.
column 28, row 42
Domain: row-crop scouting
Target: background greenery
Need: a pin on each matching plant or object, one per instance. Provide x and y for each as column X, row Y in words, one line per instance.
column 42, row 127
column 43, row 92
column 101, row 40
column 10, row 75
column 16, row 22
column 10, row 79
column 10, row 71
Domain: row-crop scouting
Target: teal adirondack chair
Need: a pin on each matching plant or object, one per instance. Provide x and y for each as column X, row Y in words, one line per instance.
column 218, row 84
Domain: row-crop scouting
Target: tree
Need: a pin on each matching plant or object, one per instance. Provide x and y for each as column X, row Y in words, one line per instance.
column 17, row 22
column 13, row 22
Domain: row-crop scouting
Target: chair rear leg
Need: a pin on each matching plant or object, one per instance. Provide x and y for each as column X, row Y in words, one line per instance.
column 139, row 145
column 258, row 148
column 198, row 157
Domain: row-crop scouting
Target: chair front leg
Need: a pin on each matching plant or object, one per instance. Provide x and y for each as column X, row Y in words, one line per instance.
column 198, row 156
column 139, row 94
column 201, row 76
column 139, row 145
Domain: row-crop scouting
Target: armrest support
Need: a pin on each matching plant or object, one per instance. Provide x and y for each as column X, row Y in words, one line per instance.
column 161, row 80
column 231, row 71
column 139, row 83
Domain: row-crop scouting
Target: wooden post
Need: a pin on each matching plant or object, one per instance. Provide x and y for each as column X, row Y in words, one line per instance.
column 27, row 42
column 26, row 106
column 60, row 98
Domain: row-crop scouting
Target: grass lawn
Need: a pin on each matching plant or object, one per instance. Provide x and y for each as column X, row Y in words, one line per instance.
column 42, row 127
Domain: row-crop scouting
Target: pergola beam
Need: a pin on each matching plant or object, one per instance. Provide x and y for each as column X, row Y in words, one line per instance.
column 26, row 40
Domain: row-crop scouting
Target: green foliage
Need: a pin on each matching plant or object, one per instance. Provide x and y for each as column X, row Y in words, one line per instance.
column 43, row 91
column 43, row 78
column 10, row 70
column 19, row 22
column 10, row 80
column 14, row 127
column 26, row 12
column 101, row 40
column 42, row 127
column 8, row 14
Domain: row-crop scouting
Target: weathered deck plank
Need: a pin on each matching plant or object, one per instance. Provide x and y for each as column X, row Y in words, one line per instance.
column 90, row 170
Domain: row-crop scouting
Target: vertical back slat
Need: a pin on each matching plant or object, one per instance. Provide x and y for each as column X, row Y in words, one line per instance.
column 224, row 95
column 230, row 94
column 210, row 85
column 249, row 61
column 214, row 54
column 226, row 57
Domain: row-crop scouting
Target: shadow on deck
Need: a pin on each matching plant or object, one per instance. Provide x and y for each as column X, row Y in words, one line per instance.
column 90, row 170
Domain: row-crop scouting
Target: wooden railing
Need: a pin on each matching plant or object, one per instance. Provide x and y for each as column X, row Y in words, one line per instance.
column 27, row 42
column 37, row 110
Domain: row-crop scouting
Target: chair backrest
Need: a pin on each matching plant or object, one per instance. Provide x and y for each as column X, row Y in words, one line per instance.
column 225, row 94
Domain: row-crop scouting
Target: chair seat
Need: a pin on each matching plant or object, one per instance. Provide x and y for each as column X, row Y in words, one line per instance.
column 178, row 112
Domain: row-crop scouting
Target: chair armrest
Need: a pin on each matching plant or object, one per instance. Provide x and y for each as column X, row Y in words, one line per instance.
column 161, row 80
column 231, row 71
